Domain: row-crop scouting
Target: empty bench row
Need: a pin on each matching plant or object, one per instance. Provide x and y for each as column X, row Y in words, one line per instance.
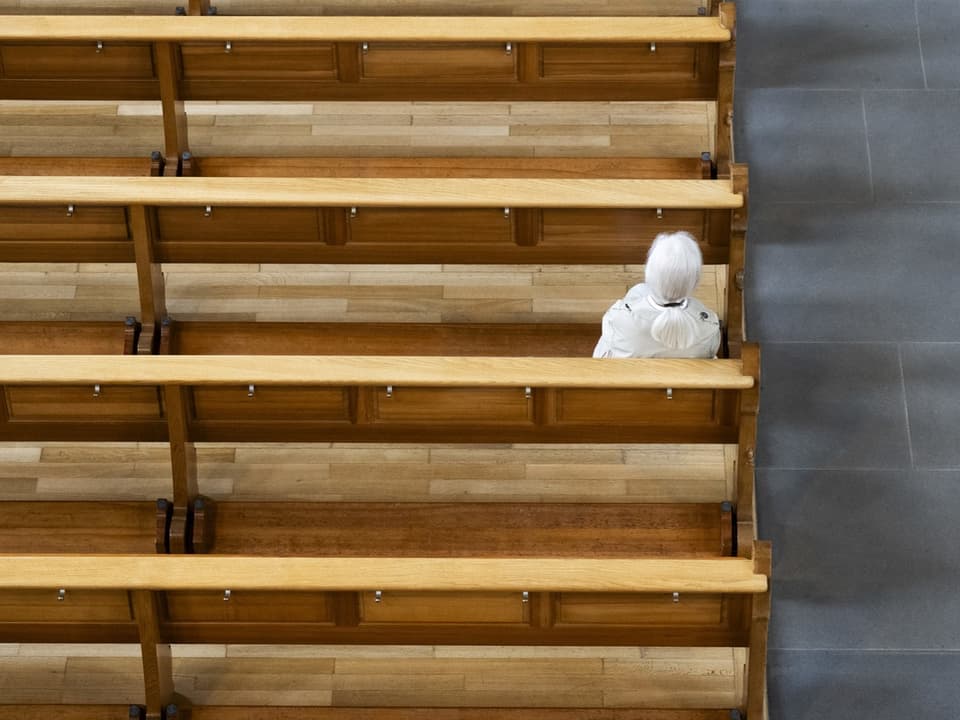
column 173, row 59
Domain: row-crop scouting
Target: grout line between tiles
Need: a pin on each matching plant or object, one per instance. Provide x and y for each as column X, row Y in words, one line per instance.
column 836, row 468
column 906, row 410
column 874, row 651
column 866, row 139
column 923, row 66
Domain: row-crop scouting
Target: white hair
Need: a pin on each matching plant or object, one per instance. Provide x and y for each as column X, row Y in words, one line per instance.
column 672, row 274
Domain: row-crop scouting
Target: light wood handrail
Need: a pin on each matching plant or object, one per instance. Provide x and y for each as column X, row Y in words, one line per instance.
column 166, row 28
column 205, row 572
column 371, row 370
column 371, row 192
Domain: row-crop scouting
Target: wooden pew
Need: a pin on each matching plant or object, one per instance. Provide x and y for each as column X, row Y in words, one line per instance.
column 449, row 211
column 226, row 398
column 174, row 59
column 137, row 597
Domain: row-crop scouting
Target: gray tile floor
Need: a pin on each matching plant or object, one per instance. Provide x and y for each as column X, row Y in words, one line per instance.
column 847, row 112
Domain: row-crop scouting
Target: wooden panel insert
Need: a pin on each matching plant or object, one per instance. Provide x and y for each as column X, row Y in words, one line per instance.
column 425, row 607
column 438, row 61
column 82, row 224
column 249, row 606
column 72, row 402
column 77, row 606
column 238, row 225
column 413, row 227
column 49, row 61
column 272, row 402
column 669, row 62
column 259, row 61
column 619, row 228
column 635, row 609
column 636, row 407
column 454, row 405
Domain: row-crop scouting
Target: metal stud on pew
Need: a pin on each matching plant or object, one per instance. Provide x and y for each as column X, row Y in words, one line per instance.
column 228, row 47
column 364, row 47
column 61, row 594
column 669, row 393
column 378, row 596
column 653, row 47
column 208, row 211
column 353, row 212
column 71, row 209
column 99, row 46
column 506, row 213
column 509, row 48
column 227, row 594
column 251, row 390
column 389, row 391
column 525, row 597
column 659, row 213
column 528, row 392
column 676, row 597
column 96, row 390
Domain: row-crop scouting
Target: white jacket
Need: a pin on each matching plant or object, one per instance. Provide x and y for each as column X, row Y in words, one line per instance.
column 626, row 329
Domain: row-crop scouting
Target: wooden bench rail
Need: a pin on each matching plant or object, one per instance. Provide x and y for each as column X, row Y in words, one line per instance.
column 167, row 28
column 368, row 370
column 212, row 572
column 372, row 192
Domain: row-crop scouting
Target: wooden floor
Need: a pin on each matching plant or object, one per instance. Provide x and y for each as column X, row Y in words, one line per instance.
column 389, row 676
column 586, row 677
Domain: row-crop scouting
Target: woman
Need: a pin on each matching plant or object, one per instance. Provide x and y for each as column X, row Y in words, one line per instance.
column 658, row 318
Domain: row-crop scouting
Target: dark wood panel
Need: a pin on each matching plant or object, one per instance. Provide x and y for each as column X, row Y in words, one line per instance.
column 74, row 402
column 271, row 402
column 443, row 608
column 500, row 340
column 661, row 62
column 410, row 227
column 452, row 167
column 632, row 609
column 77, row 60
column 464, row 529
column 276, row 61
column 76, row 224
column 64, row 338
column 93, row 606
column 455, row 406
column 64, row 234
column 637, row 407
column 120, row 166
column 249, row 606
column 431, row 62
column 629, row 233
column 77, row 527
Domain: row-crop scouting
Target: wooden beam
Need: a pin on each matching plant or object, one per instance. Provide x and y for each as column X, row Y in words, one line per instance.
column 153, row 304
column 372, row 192
column 157, row 661
column 373, row 371
column 210, row 572
column 175, row 141
column 183, row 462
column 759, row 626
column 363, row 28
column 727, row 70
column 736, row 332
